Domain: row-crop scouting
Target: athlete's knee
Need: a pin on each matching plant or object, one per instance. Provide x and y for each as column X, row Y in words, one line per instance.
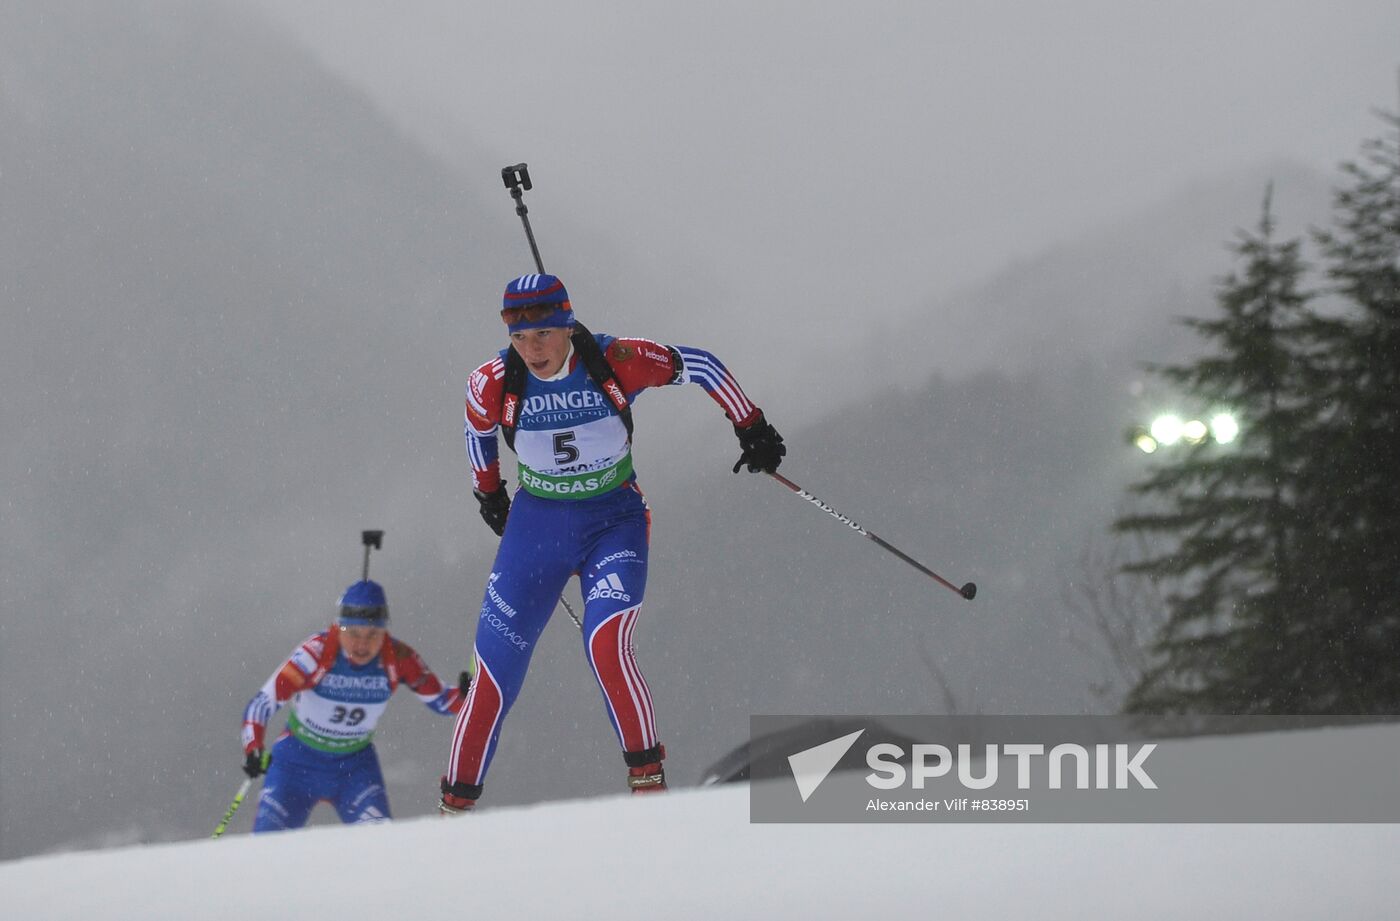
column 499, row 677
column 272, row 815
column 608, row 630
column 369, row 813
column 368, row 804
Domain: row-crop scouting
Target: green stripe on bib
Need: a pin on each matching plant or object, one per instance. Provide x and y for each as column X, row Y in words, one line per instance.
column 576, row 485
column 325, row 743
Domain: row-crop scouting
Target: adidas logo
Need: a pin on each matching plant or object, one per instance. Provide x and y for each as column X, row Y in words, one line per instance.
column 609, row 587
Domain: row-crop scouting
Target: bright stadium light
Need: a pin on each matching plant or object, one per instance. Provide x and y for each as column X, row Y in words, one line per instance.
column 1166, row 429
column 1171, row 429
column 1224, row 428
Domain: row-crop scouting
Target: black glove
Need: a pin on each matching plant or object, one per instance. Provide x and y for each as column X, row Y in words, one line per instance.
column 761, row 445
column 495, row 506
column 464, row 683
column 257, row 762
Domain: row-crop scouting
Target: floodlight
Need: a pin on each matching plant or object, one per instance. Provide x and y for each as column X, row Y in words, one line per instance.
column 1224, row 428
column 1166, row 429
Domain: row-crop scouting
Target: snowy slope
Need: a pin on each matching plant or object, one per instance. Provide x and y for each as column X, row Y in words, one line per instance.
column 694, row 854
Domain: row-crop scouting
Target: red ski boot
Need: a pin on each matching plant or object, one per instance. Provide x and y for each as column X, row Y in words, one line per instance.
column 644, row 771
column 458, row 798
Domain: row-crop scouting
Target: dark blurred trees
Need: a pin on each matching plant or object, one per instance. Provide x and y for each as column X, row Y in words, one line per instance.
column 1356, row 481
column 1278, row 555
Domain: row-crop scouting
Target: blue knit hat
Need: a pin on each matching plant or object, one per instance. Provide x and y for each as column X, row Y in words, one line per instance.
column 364, row 605
column 544, row 292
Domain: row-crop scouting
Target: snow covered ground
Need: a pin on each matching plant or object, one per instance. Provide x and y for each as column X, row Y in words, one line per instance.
column 694, row 854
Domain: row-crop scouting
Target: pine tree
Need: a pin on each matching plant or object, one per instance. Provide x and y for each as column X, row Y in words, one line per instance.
column 1225, row 518
column 1355, row 485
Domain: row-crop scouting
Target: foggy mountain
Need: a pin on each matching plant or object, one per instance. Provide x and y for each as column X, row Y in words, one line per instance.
column 236, row 333
column 239, row 309
column 1110, row 298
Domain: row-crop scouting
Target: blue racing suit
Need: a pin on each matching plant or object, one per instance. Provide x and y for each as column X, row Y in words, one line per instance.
column 578, row 510
column 327, row 751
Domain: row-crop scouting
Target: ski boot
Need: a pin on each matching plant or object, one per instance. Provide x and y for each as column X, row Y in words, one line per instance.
column 644, row 771
column 458, row 797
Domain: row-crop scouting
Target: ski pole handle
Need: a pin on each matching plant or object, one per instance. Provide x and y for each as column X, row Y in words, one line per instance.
column 968, row 591
column 233, row 807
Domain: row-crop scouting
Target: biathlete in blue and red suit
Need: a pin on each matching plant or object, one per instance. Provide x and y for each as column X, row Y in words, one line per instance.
column 561, row 396
column 338, row 682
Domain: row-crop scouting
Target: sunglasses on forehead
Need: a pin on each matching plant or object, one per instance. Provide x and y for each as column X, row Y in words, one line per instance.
column 530, row 313
column 377, row 614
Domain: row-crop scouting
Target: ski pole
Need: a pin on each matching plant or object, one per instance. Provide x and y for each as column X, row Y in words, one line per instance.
column 968, row 591
column 572, row 616
column 233, row 807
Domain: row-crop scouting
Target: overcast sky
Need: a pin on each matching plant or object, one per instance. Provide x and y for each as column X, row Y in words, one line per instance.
column 856, row 154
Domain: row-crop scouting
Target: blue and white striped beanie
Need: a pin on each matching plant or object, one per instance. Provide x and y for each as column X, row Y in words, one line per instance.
column 545, row 292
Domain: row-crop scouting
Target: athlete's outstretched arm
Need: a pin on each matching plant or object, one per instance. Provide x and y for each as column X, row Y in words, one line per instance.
column 761, row 447
column 642, row 363
column 421, row 680
column 292, row 676
column 704, row 368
